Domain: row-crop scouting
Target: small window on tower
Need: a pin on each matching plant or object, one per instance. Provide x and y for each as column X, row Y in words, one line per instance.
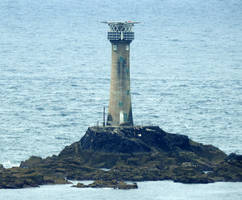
column 120, row 104
column 115, row 47
column 127, row 47
column 125, row 117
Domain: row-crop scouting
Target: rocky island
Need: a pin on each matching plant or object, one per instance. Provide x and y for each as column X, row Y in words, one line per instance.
column 112, row 155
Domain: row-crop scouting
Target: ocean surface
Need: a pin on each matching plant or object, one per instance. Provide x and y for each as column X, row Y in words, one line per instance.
column 186, row 77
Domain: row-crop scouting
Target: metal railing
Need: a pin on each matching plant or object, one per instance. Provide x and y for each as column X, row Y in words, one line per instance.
column 120, row 35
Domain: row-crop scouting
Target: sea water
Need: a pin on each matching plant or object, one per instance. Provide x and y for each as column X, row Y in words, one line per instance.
column 160, row 190
column 186, row 77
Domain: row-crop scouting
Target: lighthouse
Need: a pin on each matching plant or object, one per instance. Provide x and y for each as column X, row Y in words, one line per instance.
column 120, row 108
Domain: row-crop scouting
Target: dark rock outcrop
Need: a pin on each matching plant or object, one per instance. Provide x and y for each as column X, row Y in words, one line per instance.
column 228, row 170
column 108, row 184
column 130, row 154
column 132, row 140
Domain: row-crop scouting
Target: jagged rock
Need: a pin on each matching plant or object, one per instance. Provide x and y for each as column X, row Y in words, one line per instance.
column 137, row 139
column 131, row 154
column 2, row 168
column 228, row 170
column 131, row 139
column 233, row 157
column 80, row 185
column 108, row 184
column 31, row 162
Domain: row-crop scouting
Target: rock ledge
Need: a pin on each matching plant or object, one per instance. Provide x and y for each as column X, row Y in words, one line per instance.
column 108, row 184
column 141, row 153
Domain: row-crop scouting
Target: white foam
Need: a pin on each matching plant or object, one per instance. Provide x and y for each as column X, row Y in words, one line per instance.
column 9, row 164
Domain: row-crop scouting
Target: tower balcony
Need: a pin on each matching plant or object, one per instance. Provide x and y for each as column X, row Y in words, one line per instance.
column 118, row 36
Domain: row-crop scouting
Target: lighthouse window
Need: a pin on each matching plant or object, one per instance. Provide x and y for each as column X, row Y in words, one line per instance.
column 115, row 47
column 125, row 117
column 120, row 104
column 127, row 70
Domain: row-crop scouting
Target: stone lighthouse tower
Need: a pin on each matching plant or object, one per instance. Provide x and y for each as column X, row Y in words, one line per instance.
column 120, row 108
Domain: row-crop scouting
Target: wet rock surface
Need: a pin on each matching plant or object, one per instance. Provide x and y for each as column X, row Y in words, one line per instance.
column 131, row 154
column 108, row 184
